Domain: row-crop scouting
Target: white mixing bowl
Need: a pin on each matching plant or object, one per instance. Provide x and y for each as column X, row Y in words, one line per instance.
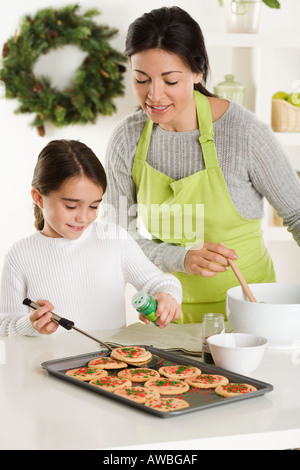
column 237, row 352
column 277, row 318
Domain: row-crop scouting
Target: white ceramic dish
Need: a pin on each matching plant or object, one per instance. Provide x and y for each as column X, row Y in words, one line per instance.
column 237, row 352
column 277, row 319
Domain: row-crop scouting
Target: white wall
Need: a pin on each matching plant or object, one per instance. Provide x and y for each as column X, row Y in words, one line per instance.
column 20, row 143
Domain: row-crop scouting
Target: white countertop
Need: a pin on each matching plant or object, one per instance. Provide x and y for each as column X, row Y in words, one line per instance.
column 42, row 412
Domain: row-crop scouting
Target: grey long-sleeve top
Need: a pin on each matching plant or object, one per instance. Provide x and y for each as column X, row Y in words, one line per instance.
column 253, row 162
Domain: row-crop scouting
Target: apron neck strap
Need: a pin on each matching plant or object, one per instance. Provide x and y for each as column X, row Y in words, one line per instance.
column 144, row 141
column 206, row 131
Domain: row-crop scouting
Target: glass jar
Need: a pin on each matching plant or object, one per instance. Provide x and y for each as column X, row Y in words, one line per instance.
column 146, row 305
column 243, row 16
column 231, row 90
column 213, row 324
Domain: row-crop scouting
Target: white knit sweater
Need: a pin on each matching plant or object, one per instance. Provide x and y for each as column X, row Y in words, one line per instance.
column 84, row 279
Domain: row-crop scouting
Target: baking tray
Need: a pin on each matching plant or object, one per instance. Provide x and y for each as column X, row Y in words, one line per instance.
column 198, row 399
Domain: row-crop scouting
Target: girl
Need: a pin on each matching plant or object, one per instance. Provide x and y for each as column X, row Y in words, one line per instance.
column 200, row 164
column 79, row 264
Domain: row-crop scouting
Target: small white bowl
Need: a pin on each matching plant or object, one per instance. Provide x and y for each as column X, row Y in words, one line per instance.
column 237, row 352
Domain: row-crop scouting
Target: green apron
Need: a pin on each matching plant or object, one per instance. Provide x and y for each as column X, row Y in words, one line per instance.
column 195, row 209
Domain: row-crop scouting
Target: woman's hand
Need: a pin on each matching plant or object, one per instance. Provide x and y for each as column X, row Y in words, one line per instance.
column 41, row 318
column 208, row 259
column 168, row 310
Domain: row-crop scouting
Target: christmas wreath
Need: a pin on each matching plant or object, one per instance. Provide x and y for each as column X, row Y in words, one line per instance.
column 95, row 83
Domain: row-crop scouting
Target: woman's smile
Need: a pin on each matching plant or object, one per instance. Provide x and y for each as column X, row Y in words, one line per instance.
column 158, row 109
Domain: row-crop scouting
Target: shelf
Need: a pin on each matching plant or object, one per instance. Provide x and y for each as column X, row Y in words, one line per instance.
column 252, row 40
column 261, row 53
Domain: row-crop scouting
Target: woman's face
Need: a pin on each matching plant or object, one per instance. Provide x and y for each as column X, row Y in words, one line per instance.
column 164, row 87
column 71, row 209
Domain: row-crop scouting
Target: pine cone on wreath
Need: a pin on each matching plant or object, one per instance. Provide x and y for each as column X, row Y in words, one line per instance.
column 38, row 87
column 41, row 131
column 52, row 34
column 5, row 50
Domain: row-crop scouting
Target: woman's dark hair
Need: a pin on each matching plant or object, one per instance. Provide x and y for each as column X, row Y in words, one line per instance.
column 60, row 160
column 173, row 30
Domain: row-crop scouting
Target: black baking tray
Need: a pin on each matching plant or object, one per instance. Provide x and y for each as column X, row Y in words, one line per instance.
column 198, row 399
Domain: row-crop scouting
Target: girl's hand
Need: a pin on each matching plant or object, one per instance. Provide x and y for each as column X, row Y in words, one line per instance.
column 208, row 259
column 41, row 318
column 168, row 310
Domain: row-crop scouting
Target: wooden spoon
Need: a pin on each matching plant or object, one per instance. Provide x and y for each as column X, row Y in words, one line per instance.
column 242, row 280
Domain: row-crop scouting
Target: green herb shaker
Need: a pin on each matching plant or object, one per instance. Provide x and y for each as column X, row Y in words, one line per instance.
column 146, row 305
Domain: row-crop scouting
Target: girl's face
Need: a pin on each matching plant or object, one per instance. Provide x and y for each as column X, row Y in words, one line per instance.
column 164, row 87
column 71, row 209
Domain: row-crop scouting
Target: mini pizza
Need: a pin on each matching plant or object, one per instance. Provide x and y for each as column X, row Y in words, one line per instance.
column 179, row 372
column 139, row 374
column 207, row 381
column 110, row 383
column 107, row 363
column 137, row 394
column 233, row 389
column 167, row 404
column 86, row 373
column 131, row 354
column 166, row 386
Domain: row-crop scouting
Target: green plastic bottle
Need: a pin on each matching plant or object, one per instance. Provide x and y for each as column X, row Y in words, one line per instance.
column 146, row 305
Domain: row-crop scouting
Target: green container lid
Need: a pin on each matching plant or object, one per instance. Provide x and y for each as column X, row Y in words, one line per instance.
column 146, row 305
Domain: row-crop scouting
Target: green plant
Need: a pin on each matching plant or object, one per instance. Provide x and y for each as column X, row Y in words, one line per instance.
column 269, row 3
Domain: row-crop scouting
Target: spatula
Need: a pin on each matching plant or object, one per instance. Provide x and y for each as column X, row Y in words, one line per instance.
column 65, row 323
column 68, row 325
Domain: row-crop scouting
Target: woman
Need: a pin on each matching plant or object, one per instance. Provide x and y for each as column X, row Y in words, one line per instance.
column 197, row 166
